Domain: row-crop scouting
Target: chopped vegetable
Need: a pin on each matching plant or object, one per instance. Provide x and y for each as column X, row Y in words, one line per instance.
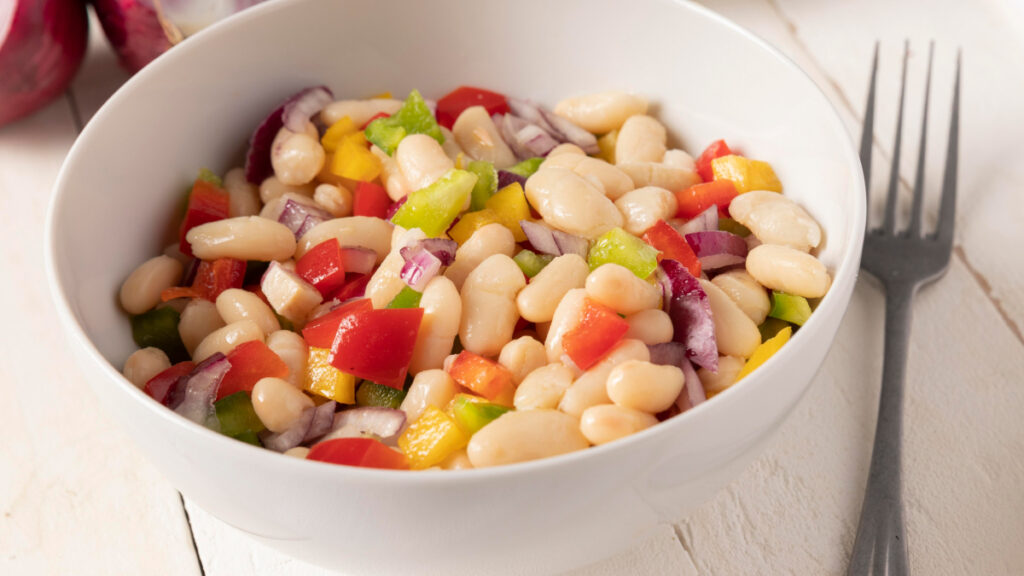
column 414, row 117
column 509, row 207
column 323, row 266
column 377, row 344
column 716, row 149
column 362, row 452
column 373, row 394
column 469, row 223
column 381, row 423
column 792, row 309
column 672, row 246
column 250, row 362
column 159, row 328
column 206, row 203
column 548, row 240
column 472, row 413
column 161, row 386
column 531, row 263
column 257, row 158
column 486, row 183
column 485, row 377
column 237, row 416
column 431, row 439
column 353, row 159
column 734, row 227
column 214, row 277
column 325, row 380
column 201, row 390
column 406, row 298
column 321, row 331
column 770, row 327
column 703, row 222
column 300, row 217
column 301, row 107
column 606, row 146
column 505, row 178
column 355, row 287
column 698, row 198
column 527, row 167
column 210, row 177
column 746, row 174
column 765, row 351
column 370, row 199
column 620, row 247
column 690, row 311
column 423, row 261
column 717, row 249
column 358, row 260
column 434, row 208
column 599, row 330
column 452, row 104
column 336, row 132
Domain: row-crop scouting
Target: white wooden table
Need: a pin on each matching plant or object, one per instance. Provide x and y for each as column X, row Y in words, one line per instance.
column 77, row 497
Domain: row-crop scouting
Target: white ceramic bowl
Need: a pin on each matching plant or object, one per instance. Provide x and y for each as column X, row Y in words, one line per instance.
column 196, row 106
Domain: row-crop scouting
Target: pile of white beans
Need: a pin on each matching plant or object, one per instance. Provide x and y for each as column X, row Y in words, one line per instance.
column 482, row 296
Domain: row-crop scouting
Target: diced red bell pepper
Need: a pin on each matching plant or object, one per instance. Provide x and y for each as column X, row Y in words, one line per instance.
column 364, row 452
column 672, row 246
column 250, row 361
column 700, row 197
column 320, row 332
column 374, row 117
column 714, row 150
column 214, row 277
column 452, row 104
column 370, row 199
column 377, row 344
column 175, row 292
column 485, row 377
column 323, row 267
column 598, row 332
column 159, row 386
column 355, row 286
column 206, row 203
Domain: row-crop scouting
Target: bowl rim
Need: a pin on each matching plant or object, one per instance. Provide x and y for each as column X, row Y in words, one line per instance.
column 847, row 271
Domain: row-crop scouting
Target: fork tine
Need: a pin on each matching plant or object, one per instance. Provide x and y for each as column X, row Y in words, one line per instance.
column 947, row 210
column 916, row 208
column 894, row 172
column 867, row 131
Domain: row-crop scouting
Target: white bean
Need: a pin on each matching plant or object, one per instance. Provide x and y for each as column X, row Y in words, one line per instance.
column 458, row 460
column 386, row 281
column 788, row 270
column 538, row 300
column 272, row 188
column 523, row 436
column 422, row 160
column 750, row 296
column 144, row 364
column 242, row 238
column 359, row 111
column 607, row 422
column 775, row 219
column 543, row 388
column 602, row 112
column 391, row 175
column 715, row 382
column 591, row 388
column 611, row 181
column 289, row 295
column 651, row 326
column 429, row 388
column 296, row 157
column 522, row 356
column 198, row 320
column 226, row 339
column 299, row 452
column 569, row 202
column 660, row 175
column 643, row 386
column 565, row 148
column 619, row 289
column 235, row 304
column 489, row 313
column 291, row 348
column 278, row 404
column 141, row 290
column 643, row 207
column 243, row 197
column 478, row 136
column 679, row 159
column 442, row 313
column 451, row 147
column 567, row 316
column 486, row 242
column 641, row 139
column 735, row 333
column 334, row 198
column 365, row 231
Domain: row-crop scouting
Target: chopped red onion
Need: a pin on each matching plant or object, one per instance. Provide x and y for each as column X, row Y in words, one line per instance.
column 201, row 390
column 690, row 312
column 717, row 249
column 443, row 248
column 508, row 126
column 393, row 209
column 540, row 237
column 530, row 112
column 420, row 266
column 505, row 178
column 300, row 217
column 570, row 244
column 693, row 389
column 385, row 423
column 358, row 260
column 257, row 158
column 323, row 419
column 302, row 106
column 535, row 140
column 570, row 132
column 292, row 437
column 668, row 353
column 706, row 221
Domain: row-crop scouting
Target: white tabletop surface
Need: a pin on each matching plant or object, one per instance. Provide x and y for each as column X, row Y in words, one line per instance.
column 77, row 497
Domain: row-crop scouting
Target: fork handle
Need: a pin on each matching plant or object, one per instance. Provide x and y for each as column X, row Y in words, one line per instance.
column 881, row 544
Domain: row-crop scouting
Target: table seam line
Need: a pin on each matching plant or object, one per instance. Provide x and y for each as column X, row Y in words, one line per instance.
column 192, row 535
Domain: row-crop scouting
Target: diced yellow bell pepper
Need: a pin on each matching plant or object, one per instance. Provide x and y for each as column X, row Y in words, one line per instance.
column 325, row 380
column 510, row 207
column 606, row 145
column 470, row 223
column 431, row 439
column 382, row 96
column 336, row 132
column 765, row 351
column 354, row 160
column 746, row 174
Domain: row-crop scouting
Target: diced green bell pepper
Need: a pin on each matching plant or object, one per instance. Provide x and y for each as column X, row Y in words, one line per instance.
column 472, row 414
column 207, row 175
column 770, row 327
column 486, row 183
column 792, row 309
column 526, row 168
column 532, row 263
column 414, row 117
column 434, row 208
column 236, row 415
column 373, row 394
column 159, row 328
column 407, row 298
column 249, row 437
column 730, row 225
column 620, row 247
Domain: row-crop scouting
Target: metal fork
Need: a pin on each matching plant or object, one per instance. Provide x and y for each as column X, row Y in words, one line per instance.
column 903, row 261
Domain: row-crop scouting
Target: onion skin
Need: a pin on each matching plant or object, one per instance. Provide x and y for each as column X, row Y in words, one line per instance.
column 133, row 30
column 40, row 54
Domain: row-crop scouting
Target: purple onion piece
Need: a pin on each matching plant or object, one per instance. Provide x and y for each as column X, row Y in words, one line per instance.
column 300, row 217
column 706, row 221
column 394, row 207
column 536, row 140
column 308, row 224
column 570, row 132
column 690, row 312
column 509, row 128
column 531, row 113
column 667, row 354
column 540, row 237
column 302, row 106
column 323, row 420
column 257, row 158
column 292, row 437
column 359, row 260
column 505, row 178
column 570, row 244
column 385, row 423
column 201, row 390
column 717, row 249
column 443, row 248
column 693, row 389
column 420, row 266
